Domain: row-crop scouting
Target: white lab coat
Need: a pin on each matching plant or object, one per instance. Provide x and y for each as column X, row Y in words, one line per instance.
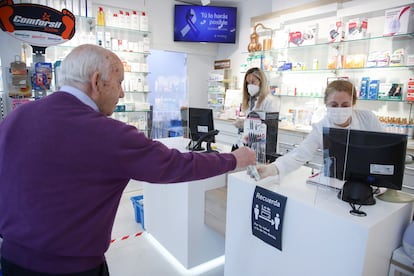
column 269, row 104
column 361, row 119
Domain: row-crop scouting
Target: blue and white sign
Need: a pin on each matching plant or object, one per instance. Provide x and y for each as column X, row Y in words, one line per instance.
column 268, row 210
column 194, row 23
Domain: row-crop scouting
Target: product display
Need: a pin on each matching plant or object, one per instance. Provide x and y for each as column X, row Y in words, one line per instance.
column 336, row 32
column 306, row 36
column 399, row 21
column 357, row 28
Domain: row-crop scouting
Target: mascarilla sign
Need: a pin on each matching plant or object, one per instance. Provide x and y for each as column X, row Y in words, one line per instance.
column 36, row 24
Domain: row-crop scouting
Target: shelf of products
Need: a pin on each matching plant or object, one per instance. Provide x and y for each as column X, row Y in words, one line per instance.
column 308, row 52
column 218, row 83
column 359, row 59
column 125, row 32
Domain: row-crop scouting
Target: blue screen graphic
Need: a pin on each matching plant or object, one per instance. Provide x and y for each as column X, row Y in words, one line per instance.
column 205, row 24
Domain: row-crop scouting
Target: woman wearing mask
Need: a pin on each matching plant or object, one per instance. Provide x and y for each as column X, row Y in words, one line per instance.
column 340, row 99
column 256, row 95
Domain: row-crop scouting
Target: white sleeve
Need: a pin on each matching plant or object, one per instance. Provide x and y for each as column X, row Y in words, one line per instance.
column 270, row 104
column 300, row 155
column 374, row 123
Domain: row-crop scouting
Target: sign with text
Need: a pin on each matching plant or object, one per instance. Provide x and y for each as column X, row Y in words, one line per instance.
column 268, row 210
column 195, row 23
column 37, row 25
column 222, row 64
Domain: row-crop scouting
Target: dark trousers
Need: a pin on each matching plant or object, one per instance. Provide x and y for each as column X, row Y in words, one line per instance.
column 11, row 269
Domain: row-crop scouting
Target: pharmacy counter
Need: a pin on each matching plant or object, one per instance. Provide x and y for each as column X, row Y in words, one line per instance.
column 174, row 215
column 319, row 235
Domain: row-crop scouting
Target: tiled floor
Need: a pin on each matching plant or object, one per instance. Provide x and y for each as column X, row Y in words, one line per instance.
column 135, row 254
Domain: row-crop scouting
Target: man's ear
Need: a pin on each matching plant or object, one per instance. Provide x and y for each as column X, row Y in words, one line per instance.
column 94, row 84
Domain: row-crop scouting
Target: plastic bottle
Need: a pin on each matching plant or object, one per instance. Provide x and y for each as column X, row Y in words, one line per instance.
column 315, row 64
column 101, row 17
column 135, row 20
column 143, row 22
column 121, row 19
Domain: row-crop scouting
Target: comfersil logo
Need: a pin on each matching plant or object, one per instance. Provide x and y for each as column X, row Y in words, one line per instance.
column 20, row 20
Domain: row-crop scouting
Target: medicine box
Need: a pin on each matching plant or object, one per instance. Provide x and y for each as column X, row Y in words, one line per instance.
column 363, row 92
column 336, row 31
column 305, row 36
column 399, row 21
column 357, row 28
column 390, row 91
column 373, row 90
column 410, row 90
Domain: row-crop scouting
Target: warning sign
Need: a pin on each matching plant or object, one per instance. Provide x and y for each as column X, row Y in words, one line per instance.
column 267, row 216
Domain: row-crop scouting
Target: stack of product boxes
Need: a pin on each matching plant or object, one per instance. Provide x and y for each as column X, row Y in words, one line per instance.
column 375, row 90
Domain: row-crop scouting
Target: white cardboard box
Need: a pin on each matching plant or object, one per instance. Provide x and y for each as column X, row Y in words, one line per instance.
column 357, row 28
column 399, row 21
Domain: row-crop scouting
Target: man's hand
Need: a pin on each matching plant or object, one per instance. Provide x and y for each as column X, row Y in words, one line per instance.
column 244, row 157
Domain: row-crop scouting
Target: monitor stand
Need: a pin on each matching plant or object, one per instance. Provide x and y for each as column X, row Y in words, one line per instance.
column 194, row 146
column 209, row 149
column 392, row 195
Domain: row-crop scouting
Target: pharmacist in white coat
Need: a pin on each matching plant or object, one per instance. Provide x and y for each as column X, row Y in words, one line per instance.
column 340, row 99
column 256, row 95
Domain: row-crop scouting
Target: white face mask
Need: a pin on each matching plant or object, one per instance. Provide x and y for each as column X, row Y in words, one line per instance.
column 253, row 89
column 338, row 115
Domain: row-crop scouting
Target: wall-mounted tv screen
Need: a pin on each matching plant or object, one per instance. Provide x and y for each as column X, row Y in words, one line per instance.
column 205, row 24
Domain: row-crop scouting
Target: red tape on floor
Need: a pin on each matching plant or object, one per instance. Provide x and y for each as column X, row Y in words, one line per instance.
column 126, row 237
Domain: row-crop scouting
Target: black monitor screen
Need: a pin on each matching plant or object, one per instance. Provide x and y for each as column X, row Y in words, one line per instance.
column 196, row 122
column 375, row 158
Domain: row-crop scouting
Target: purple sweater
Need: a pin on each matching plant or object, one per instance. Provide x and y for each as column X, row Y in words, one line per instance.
column 63, row 168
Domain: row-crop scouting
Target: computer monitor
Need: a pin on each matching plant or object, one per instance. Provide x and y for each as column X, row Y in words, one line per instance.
column 372, row 158
column 196, row 123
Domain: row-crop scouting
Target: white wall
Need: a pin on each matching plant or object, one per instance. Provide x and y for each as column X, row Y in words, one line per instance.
column 246, row 10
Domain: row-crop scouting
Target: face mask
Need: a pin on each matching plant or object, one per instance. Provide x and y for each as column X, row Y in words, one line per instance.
column 339, row 115
column 252, row 89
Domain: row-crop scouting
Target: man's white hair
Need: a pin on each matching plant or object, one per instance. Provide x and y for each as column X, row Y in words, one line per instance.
column 82, row 62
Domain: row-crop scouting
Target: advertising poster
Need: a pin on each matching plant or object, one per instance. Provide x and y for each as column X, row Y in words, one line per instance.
column 205, row 24
column 37, row 25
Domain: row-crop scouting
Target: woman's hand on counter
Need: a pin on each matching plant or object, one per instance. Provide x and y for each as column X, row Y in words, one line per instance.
column 267, row 170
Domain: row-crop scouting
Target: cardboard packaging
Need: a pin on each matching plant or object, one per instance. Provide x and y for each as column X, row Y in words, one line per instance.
column 336, row 31
column 363, row 92
column 410, row 90
column 357, row 28
column 306, row 36
column 399, row 21
column 373, row 90
column 390, row 91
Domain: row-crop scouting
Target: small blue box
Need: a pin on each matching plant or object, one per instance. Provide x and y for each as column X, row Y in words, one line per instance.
column 373, row 89
column 138, row 204
column 363, row 93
